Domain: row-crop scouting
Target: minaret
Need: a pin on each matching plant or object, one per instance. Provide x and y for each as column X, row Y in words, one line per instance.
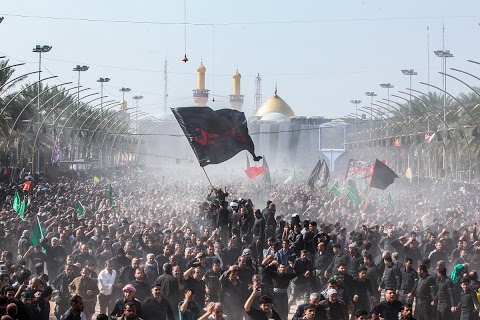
column 236, row 99
column 200, row 95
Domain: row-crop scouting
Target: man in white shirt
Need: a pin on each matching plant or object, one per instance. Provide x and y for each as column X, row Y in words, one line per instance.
column 106, row 280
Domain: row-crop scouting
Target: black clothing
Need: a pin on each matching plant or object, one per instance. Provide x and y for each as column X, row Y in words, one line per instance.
column 71, row 315
column 143, row 290
column 467, row 305
column 389, row 311
column 212, row 282
column 408, row 280
column 120, row 305
column 424, row 292
column 337, row 259
column 154, row 310
column 364, row 291
column 199, row 287
column 391, row 277
column 170, row 290
column 320, row 312
column 256, row 314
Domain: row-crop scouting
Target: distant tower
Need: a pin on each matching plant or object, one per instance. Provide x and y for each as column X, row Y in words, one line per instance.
column 236, row 99
column 165, row 90
column 200, row 95
column 258, row 94
column 123, row 105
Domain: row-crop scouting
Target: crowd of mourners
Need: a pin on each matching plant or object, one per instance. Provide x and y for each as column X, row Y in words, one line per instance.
column 149, row 244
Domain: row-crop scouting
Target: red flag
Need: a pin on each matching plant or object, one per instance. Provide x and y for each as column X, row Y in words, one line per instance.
column 26, row 186
column 253, row 172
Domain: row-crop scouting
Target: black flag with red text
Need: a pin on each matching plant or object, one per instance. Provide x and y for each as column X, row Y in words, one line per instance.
column 215, row 136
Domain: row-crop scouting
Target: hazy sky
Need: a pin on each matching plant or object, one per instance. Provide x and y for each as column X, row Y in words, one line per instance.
column 322, row 54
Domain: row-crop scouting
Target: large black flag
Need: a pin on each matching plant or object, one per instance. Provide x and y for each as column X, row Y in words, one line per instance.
column 325, row 176
column 382, row 176
column 215, row 136
column 315, row 174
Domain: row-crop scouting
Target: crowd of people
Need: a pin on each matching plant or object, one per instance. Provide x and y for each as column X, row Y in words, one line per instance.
column 149, row 244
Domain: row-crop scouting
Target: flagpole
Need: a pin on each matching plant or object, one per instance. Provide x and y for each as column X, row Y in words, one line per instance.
column 207, row 177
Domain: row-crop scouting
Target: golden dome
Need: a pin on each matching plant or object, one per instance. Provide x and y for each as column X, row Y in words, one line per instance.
column 201, row 68
column 277, row 105
column 237, row 75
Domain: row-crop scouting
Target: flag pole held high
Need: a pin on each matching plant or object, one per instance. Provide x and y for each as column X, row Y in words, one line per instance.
column 215, row 136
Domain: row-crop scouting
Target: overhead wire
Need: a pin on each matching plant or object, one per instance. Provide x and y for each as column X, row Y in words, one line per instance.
column 233, row 23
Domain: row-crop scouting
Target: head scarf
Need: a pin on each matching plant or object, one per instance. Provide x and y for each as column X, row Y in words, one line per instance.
column 456, row 273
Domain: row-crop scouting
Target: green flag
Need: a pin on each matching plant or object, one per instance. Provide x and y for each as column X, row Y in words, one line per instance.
column 38, row 234
column 335, row 189
column 353, row 194
column 110, row 195
column 80, row 210
column 23, row 207
column 16, row 202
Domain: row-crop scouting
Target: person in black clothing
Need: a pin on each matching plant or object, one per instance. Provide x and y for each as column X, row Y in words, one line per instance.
column 424, row 293
column 193, row 279
column 169, row 285
column 76, row 308
column 281, row 279
column 390, row 307
column 128, row 297
column 56, row 254
column 141, row 286
column 223, row 220
column 408, row 279
column 157, row 307
column 258, row 231
column 212, row 281
column 339, row 257
column 314, row 300
column 356, row 260
column 468, row 304
column 444, row 295
column 60, row 284
column 233, row 292
column 269, row 216
column 304, row 269
column 362, row 290
column 265, row 312
column 391, row 275
column 322, row 259
column 42, row 304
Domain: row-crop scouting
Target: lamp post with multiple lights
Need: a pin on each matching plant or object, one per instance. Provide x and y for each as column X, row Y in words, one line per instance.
column 387, row 86
column 137, row 98
column 371, row 94
column 410, row 73
column 444, row 54
column 39, row 49
column 356, row 103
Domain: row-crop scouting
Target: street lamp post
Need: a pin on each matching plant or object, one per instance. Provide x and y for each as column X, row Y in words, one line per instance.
column 410, row 73
column 371, row 94
column 136, row 98
column 123, row 90
column 39, row 49
column 78, row 69
column 444, row 54
column 387, row 86
column 102, row 81
column 356, row 103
